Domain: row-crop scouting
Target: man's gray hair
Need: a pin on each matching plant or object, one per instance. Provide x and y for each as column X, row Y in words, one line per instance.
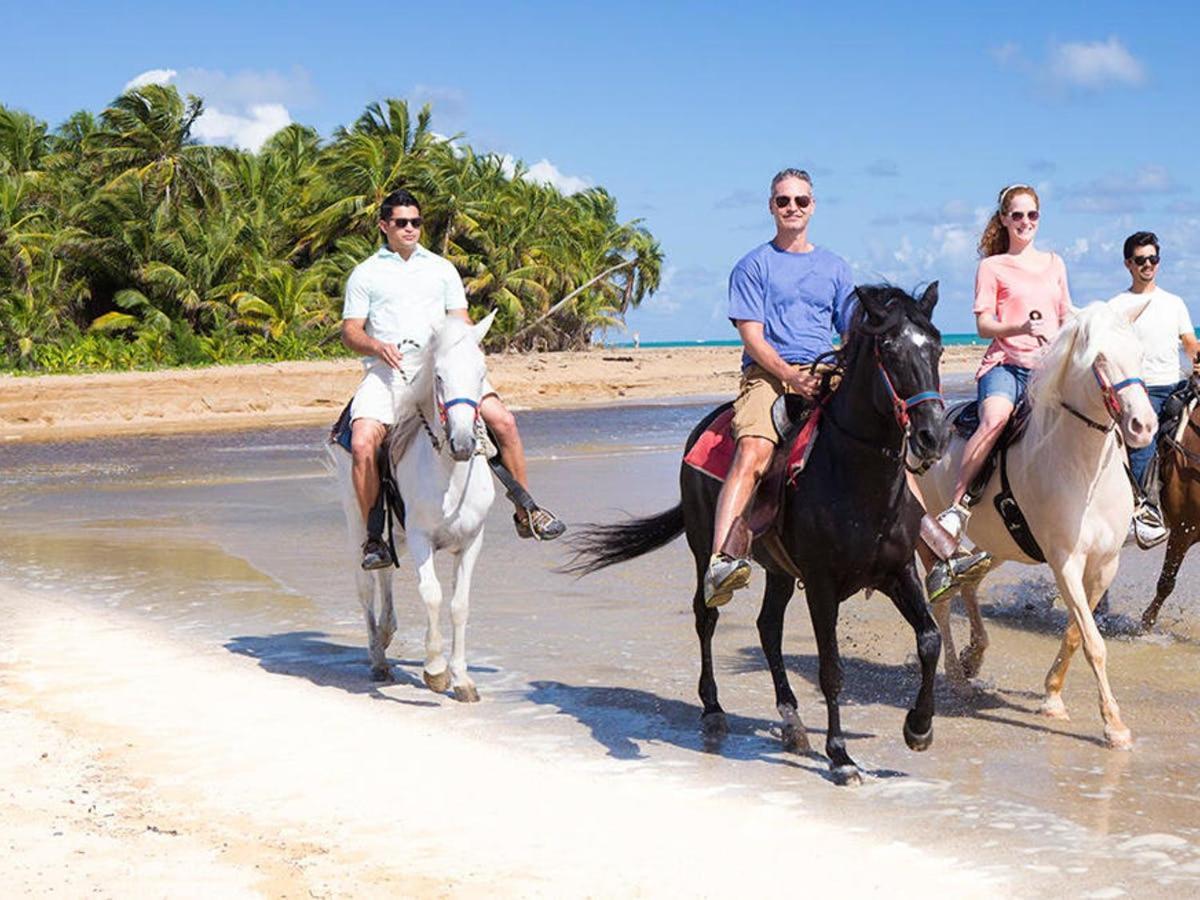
column 791, row 173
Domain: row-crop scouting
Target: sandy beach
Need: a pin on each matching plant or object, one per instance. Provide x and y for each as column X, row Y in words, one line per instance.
column 63, row 407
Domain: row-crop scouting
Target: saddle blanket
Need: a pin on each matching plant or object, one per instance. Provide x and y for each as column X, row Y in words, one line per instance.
column 712, row 453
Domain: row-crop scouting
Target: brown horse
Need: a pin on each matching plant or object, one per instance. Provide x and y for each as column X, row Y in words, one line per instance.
column 1180, row 467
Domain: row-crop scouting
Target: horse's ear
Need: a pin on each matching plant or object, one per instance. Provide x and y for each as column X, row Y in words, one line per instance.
column 871, row 299
column 928, row 300
column 479, row 329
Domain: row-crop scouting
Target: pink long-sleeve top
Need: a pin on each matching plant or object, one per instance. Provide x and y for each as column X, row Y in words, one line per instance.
column 1011, row 293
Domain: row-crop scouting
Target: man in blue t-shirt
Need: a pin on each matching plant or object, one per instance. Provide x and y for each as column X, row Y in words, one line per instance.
column 787, row 299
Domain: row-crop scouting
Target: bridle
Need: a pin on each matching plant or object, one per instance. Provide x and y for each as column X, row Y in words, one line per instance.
column 901, row 407
column 1112, row 402
column 443, row 408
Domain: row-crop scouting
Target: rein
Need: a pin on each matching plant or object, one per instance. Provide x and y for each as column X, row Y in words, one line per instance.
column 1111, row 402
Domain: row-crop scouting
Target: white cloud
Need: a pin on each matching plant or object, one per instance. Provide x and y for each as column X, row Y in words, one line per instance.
column 150, row 76
column 1095, row 65
column 545, row 172
column 248, row 131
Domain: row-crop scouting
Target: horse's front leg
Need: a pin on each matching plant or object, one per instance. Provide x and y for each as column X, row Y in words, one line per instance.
column 770, row 634
column 460, row 605
column 823, row 610
column 712, row 719
column 420, row 547
column 1079, row 597
column 909, row 597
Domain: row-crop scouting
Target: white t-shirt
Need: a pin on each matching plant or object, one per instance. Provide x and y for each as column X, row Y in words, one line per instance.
column 402, row 300
column 1158, row 328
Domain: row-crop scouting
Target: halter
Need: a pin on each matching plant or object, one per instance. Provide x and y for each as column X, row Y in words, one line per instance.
column 443, row 408
column 1112, row 402
column 901, row 405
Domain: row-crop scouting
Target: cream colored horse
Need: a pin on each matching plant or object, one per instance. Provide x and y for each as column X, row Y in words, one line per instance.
column 1068, row 475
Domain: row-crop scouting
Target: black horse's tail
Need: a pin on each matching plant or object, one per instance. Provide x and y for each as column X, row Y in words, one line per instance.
column 599, row 546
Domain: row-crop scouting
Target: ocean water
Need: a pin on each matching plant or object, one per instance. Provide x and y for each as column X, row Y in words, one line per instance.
column 236, row 541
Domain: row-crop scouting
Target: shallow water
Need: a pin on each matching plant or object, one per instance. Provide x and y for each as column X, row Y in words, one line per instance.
column 236, row 540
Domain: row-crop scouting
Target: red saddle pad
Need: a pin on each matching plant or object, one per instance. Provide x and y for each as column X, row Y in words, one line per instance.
column 712, row 453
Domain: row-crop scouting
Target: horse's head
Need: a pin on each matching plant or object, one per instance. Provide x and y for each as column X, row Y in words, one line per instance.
column 458, row 376
column 897, row 329
column 1094, row 369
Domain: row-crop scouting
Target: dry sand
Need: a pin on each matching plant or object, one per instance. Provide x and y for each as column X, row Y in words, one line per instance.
column 134, row 765
column 62, row 407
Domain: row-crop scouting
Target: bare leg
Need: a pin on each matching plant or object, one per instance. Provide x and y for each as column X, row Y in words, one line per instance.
column 504, row 426
column 366, row 437
column 750, row 461
column 993, row 415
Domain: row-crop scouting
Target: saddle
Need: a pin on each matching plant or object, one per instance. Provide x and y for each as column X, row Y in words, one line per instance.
column 964, row 418
column 796, row 423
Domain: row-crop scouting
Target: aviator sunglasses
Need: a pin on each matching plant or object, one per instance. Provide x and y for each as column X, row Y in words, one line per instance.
column 802, row 202
column 1016, row 215
column 404, row 223
column 1140, row 261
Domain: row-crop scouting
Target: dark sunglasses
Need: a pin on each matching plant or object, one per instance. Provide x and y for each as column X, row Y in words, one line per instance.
column 802, row 202
column 1140, row 261
column 1017, row 215
column 404, row 223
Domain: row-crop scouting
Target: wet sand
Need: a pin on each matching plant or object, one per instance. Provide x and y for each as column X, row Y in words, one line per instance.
column 183, row 643
column 64, row 407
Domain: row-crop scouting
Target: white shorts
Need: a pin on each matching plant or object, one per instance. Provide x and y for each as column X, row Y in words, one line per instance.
column 381, row 390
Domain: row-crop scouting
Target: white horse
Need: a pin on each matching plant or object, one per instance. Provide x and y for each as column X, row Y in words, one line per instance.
column 437, row 463
column 1068, row 475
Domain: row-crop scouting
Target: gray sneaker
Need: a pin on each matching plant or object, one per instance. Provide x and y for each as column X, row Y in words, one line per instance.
column 953, row 572
column 1149, row 530
column 724, row 576
column 538, row 523
column 376, row 554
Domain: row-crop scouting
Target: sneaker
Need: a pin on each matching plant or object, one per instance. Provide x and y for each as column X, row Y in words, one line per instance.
column 538, row 523
column 956, row 571
column 724, row 576
column 954, row 520
column 1148, row 527
column 376, row 554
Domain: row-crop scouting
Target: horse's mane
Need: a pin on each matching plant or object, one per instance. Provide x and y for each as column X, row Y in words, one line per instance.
column 1075, row 347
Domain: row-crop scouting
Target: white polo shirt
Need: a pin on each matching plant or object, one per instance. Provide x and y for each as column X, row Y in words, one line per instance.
column 403, row 299
column 1158, row 328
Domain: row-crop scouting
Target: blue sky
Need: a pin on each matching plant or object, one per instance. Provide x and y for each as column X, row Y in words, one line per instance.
column 910, row 120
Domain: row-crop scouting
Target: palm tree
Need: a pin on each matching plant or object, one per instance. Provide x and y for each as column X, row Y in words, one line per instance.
column 23, row 141
column 284, row 300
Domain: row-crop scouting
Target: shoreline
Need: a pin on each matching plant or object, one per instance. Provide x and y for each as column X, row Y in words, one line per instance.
column 47, row 408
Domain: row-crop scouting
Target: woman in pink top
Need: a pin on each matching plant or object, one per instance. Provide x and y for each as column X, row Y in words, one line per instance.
column 1021, row 300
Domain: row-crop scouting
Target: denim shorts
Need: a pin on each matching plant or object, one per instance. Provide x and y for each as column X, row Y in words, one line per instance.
column 1003, row 381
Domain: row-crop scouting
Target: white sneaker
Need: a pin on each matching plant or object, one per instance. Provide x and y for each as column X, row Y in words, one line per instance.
column 1148, row 527
column 954, row 520
column 725, row 575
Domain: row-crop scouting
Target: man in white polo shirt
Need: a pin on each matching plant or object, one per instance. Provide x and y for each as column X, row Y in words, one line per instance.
column 394, row 298
column 1161, row 322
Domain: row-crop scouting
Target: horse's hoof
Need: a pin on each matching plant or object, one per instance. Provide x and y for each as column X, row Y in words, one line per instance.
column 381, row 674
column 466, row 693
column 437, row 683
column 713, row 725
column 846, row 776
column 1147, row 624
column 916, row 741
column 1118, row 739
column 1054, row 708
column 971, row 660
column 795, row 740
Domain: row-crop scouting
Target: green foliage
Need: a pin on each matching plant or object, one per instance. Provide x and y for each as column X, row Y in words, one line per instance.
column 125, row 243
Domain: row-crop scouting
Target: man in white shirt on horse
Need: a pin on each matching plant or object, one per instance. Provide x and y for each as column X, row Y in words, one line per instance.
column 394, row 298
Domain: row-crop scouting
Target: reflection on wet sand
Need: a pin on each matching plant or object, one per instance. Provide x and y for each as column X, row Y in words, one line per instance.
column 236, row 539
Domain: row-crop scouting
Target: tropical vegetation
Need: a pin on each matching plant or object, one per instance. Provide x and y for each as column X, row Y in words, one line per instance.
column 126, row 243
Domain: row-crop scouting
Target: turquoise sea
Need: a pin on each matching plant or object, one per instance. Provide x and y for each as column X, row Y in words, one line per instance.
column 947, row 340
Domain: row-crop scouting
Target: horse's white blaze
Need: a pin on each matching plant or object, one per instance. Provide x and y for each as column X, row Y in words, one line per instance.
column 446, row 500
column 1070, row 482
column 916, row 338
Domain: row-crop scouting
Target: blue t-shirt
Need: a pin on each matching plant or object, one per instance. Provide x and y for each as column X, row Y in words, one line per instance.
column 802, row 299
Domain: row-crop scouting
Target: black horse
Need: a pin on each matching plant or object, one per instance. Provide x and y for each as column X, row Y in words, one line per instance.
column 849, row 521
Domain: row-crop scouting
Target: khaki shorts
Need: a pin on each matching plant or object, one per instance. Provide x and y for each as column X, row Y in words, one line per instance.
column 758, row 392
column 380, row 391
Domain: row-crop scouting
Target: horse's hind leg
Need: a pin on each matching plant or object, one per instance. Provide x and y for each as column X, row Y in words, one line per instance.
column 367, row 584
column 770, row 634
column 1177, row 547
column 940, row 610
column 460, row 604
column 909, row 598
column 971, row 658
column 435, row 672
column 823, row 609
